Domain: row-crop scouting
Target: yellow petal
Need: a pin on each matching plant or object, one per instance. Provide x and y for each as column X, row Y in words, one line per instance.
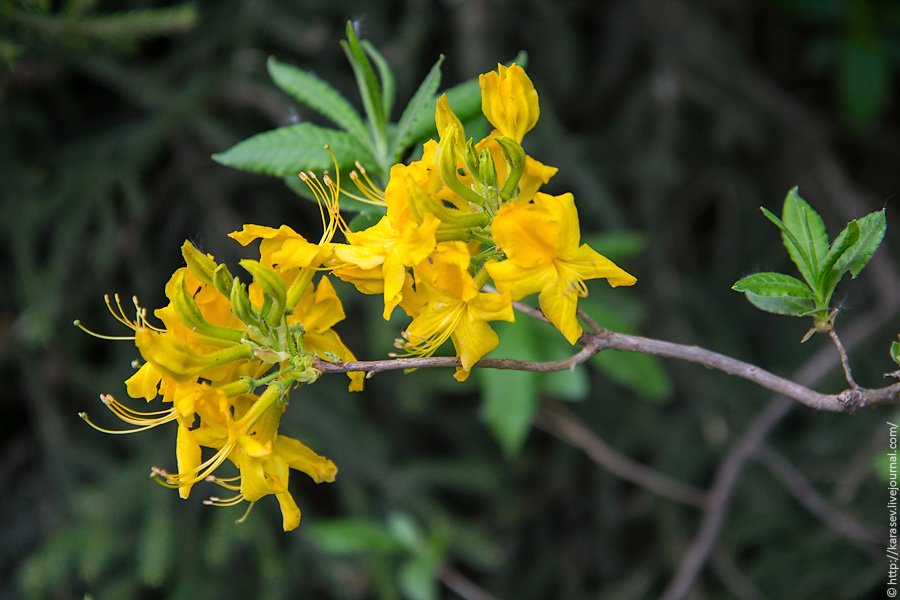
column 300, row 457
column 187, row 451
column 290, row 512
column 509, row 101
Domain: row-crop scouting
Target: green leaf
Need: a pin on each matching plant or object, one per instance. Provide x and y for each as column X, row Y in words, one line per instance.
column 808, row 244
column 895, row 352
column 347, row 536
column 369, row 88
column 388, row 84
column 643, row 374
column 293, row 149
column 418, row 578
column 863, row 77
column 319, row 96
column 784, row 305
column 848, row 237
column 773, row 284
column 421, row 101
column 509, row 398
column 871, row 232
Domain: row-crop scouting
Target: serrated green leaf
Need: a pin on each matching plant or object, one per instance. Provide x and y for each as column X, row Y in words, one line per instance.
column 320, row 96
column 871, row 232
column 293, row 149
column 785, row 305
column 509, row 398
column 773, row 284
column 348, row 536
column 848, row 237
column 464, row 99
column 421, row 101
column 895, row 352
column 388, row 84
column 808, row 244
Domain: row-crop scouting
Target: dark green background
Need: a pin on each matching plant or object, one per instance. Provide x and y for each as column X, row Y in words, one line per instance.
column 673, row 120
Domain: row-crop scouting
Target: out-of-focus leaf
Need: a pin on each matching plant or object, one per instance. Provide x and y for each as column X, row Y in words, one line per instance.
column 293, row 149
column 345, row 536
column 617, row 245
column 418, row 579
column 421, row 101
column 157, row 545
column 863, row 77
column 509, row 398
column 321, row 97
column 773, row 284
column 642, row 373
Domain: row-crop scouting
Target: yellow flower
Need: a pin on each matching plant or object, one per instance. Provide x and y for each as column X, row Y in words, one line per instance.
column 542, row 243
column 454, row 308
column 388, row 252
column 509, row 101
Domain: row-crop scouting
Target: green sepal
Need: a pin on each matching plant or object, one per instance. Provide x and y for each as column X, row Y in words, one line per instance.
column 773, row 284
column 445, row 161
column 274, row 290
column 222, row 280
column 783, row 305
column 189, row 313
column 515, row 158
column 199, row 264
column 240, row 304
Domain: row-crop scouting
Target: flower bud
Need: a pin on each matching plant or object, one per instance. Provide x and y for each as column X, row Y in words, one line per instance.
column 274, row 290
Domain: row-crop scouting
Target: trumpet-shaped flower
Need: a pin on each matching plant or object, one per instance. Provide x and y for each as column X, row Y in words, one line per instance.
column 542, row 243
column 509, row 101
column 454, row 308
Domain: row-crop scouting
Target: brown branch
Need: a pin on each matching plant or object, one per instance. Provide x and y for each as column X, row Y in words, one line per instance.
column 462, row 585
column 561, row 423
column 845, row 360
column 847, row 401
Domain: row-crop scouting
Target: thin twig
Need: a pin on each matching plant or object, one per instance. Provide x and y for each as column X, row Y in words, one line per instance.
column 803, row 491
column 729, row 574
column 845, row 361
column 730, row 468
column 462, row 585
column 564, row 425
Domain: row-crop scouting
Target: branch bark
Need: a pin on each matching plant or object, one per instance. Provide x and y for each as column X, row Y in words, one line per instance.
column 847, row 401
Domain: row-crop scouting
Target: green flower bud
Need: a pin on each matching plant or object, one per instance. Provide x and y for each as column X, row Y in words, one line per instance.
column 274, row 291
column 515, row 158
column 189, row 313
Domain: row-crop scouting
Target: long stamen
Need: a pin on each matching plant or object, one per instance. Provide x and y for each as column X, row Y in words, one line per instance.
column 426, row 345
column 213, row 501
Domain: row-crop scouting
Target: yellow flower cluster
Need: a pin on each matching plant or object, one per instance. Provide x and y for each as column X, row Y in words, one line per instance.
column 463, row 215
column 467, row 213
column 220, row 341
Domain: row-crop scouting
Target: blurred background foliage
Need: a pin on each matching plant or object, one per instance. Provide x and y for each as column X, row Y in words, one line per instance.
column 671, row 123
